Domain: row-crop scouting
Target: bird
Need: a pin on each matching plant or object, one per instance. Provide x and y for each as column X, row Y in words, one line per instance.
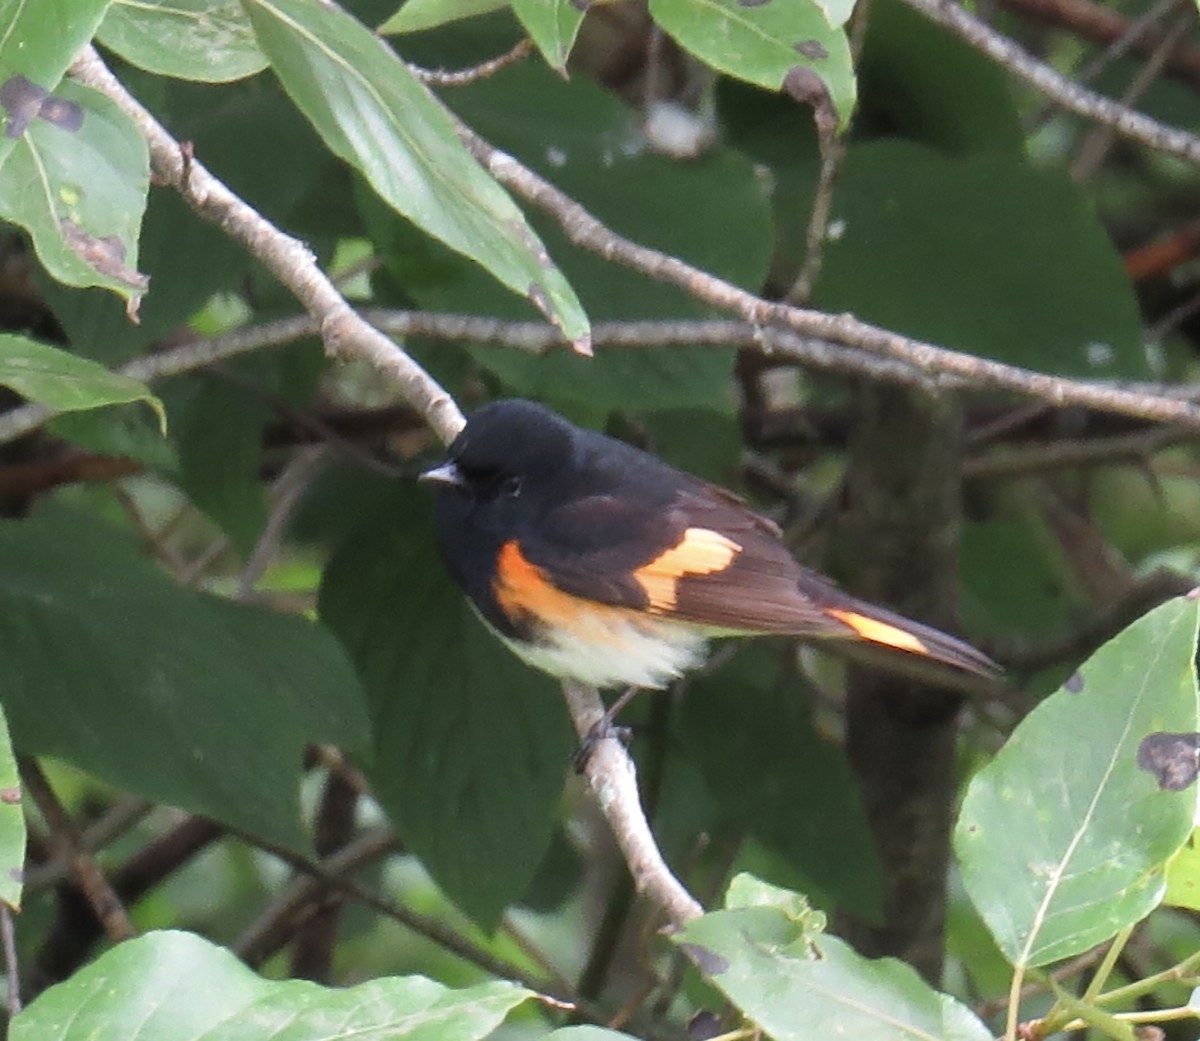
column 595, row 561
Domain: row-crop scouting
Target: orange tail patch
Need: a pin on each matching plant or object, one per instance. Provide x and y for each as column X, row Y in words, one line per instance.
column 879, row 632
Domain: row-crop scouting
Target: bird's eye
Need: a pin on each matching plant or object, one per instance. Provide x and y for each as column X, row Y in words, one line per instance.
column 511, row 487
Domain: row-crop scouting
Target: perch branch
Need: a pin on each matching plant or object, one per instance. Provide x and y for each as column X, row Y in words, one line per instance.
column 611, row 778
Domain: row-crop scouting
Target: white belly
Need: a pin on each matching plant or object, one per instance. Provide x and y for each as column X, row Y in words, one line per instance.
column 618, row 651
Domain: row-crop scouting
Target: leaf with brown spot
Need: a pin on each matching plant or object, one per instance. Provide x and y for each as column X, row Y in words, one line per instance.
column 758, row 43
column 1173, row 759
column 22, row 99
column 77, row 182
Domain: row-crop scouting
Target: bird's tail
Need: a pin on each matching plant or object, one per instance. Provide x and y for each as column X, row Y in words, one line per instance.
column 875, row 629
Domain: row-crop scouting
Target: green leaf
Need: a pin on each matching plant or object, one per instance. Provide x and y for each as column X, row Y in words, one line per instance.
column 103, row 653
column 66, row 382
column 766, row 44
column 12, row 823
column 373, row 112
column 919, row 81
column 218, row 436
column 579, row 136
column 167, row 985
column 1063, row 839
column 38, row 42
column 78, row 186
column 553, row 25
column 415, row 15
column 1024, row 272
column 798, row 984
column 193, row 39
column 1183, row 877
column 803, row 804
column 463, row 731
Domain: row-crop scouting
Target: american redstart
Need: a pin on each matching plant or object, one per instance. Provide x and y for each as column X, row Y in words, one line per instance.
column 597, row 562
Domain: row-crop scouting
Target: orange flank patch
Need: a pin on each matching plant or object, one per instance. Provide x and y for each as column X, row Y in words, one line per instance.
column 523, row 590
column 699, row 552
column 879, row 632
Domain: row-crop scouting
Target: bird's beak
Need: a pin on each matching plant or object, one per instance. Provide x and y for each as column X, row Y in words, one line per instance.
column 447, row 473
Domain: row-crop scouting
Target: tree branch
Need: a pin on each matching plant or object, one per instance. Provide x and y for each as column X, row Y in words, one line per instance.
column 1056, row 86
column 344, row 332
column 613, row 782
column 586, row 231
column 66, row 840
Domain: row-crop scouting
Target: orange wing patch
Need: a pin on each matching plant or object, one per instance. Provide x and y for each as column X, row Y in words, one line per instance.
column 879, row 632
column 699, row 552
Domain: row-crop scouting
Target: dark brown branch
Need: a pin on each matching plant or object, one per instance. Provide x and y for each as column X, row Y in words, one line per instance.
column 312, row 950
column 1104, row 25
column 68, row 844
column 1156, row 588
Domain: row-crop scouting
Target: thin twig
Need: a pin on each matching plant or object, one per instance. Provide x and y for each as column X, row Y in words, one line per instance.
column 1144, row 27
column 610, row 775
column 1067, row 93
column 101, row 897
column 462, row 77
column 344, row 332
column 286, row 493
column 1099, row 142
column 1101, row 24
column 115, row 822
column 833, row 151
column 936, row 362
column 329, row 874
column 1148, row 592
column 1061, row 455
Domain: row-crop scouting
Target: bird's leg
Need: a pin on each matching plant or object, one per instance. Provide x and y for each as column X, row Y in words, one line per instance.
column 602, row 728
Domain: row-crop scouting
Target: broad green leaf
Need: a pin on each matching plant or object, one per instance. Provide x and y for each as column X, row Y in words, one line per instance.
column 803, row 803
column 1183, row 877
column 1021, row 269
column 798, row 984
column 240, row 132
column 78, row 186
column 415, row 15
column 193, row 39
column 104, row 653
column 170, row 985
column 552, row 24
column 1063, row 839
column 124, row 431
column 12, row 822
column 64, row 381
column 463, row 731
column 38, row 42
column 374, row 113
column 772, row 45
column 921, row 82
column 580, row 137
column 218, row 435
